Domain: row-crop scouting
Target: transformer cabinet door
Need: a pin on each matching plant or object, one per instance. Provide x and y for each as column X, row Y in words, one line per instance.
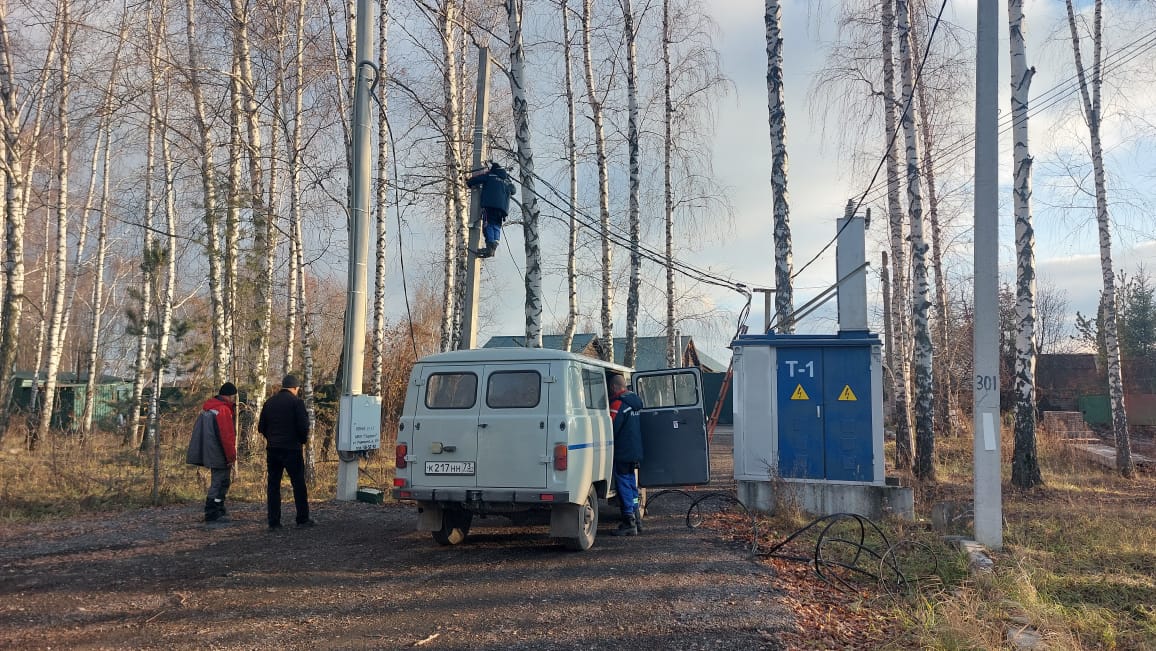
column 674, row 442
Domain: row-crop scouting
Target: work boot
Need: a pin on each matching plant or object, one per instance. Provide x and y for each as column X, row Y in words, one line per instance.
column 482, row 253
column 214, row 510
column 629, row 527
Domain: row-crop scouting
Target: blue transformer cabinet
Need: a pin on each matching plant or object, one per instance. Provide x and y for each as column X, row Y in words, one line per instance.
column 809, row 408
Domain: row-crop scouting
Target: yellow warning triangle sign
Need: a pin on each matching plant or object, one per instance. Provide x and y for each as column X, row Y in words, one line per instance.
column 800, row 394
column 847, row 393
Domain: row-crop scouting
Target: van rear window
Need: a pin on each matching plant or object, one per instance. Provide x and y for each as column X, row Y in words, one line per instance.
column 451, row 391
column 514, row 390
column 668, row 390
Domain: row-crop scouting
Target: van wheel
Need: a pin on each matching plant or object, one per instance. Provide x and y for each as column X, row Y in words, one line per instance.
column 588, row 527
column 455, row 526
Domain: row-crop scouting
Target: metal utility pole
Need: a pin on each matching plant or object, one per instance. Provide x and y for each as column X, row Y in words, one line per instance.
column 469, row 337
column 358, row 423
column 985, row 386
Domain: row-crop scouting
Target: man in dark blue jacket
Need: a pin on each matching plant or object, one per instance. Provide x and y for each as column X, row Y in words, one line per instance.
column 624, row 414
column 284, row 423
column 497, row 188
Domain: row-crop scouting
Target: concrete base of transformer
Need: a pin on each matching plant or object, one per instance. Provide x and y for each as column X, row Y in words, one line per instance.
column 826, row 498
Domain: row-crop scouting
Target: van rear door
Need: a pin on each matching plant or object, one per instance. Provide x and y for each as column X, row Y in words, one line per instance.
column 674, row 442
column 445, row 427
column 513, row 411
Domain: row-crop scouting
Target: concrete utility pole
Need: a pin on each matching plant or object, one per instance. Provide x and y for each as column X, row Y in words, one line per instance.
column 469, row 337
column 356, row 296
column 985, row 386
column 768, row 306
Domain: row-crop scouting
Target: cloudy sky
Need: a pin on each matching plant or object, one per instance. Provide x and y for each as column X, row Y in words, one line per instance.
column 821, row 179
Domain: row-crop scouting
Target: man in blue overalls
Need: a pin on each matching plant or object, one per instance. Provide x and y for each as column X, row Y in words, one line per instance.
column 497, row 188
column 624, row 408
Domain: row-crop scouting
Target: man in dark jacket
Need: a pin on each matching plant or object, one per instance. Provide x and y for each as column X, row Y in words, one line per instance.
column 624, row 414
column 214, row 446
column 497, row 188
column 284, row 423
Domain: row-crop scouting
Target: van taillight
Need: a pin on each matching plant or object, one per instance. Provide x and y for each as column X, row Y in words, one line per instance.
column 560, row 456
column 399, row 455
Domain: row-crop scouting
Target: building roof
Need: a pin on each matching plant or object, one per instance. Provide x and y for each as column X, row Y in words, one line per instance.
column 650, row 356
column 512, row 354
column 24, row 378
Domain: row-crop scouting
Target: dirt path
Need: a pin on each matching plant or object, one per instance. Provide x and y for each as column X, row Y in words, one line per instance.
column 365, row 579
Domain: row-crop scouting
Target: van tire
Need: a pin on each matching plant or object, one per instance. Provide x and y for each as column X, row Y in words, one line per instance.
column 588, row 527
column 455, row 526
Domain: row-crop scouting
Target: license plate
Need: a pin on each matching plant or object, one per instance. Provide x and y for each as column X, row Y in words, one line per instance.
column 449, row 467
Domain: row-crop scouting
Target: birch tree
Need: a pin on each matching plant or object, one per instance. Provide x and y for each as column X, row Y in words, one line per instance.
column 904, row 445
column 456, row 205
column 377, row 349
column 629, row 35
column 1025, row 463
column 595, row 102
column 1090, row 96
column 572, row 168
column 206, row 148
column 776, row 107
column 103, row 146
column 672, row 352
column 920, row 303
column 525, row 153
column 57, row 325
column 20, row 162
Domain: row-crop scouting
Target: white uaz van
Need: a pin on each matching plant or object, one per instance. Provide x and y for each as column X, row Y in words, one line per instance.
column 514, row 431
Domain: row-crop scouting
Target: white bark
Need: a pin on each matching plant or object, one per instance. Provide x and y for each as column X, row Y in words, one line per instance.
column 19, row 162
column 57, row 325
column 530, row 213
column 1025, row 463
column 633, row 147
column 572, row 167
column 457, row 219
column 904, row 445
column 297, row 264
column 672, row 352
column 603, row 186
column 221, row 356
column 1092, row 116
column 103, row 145
column 776, row 107
column 920, row 302
column 377, row 354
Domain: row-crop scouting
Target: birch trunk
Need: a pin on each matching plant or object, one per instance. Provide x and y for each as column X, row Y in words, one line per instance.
column 572, row 167
column 103, row 145
column 1092, row 116
column 603, row 187
column 672, row 352
column 530, row 213
column 888, row 333
column 457, row 221
column 281, row 120
column 943, row 380
column 920, row 302
column 147, row 268
column 264, row 235
column 57, row 325
column 904, row 445
column 18, row 167
column 630, row 354
column 377, row 356
column 898, row 351
column 1025, row 462
column 777, row 109
column 221, row 357
column 233, row 223
column 297, row 264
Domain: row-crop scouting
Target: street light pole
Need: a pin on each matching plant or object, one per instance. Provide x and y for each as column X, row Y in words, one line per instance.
column 469, row 338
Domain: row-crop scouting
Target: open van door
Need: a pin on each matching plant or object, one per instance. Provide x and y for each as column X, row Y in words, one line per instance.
column 674, row 443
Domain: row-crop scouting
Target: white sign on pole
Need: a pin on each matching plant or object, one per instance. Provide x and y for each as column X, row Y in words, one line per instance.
column 360, row 423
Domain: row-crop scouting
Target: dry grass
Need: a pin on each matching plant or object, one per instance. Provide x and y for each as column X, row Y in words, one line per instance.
column 66, row 477
column 1078, row 564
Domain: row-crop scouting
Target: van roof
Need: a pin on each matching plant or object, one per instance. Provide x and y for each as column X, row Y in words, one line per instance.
column 516, row 354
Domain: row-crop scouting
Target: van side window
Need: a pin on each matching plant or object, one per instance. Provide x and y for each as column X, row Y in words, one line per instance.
column 451, row 390
column 514, row 389
column 668, row 390
column 594, row 388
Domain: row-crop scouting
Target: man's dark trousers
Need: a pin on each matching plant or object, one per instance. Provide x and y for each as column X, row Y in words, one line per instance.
column 280, row 461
